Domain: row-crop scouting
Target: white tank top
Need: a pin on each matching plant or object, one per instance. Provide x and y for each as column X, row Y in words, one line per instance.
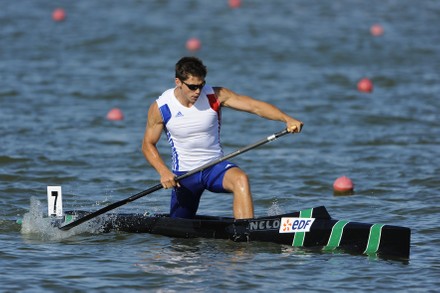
column 193, row 133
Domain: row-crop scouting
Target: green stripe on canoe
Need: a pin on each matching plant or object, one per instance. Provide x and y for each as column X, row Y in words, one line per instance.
column 68, row 218
column 298, row 238
column 335, row 235
column 374, row 239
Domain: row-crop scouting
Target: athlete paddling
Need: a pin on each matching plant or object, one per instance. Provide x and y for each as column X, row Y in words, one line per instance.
column 190, row 114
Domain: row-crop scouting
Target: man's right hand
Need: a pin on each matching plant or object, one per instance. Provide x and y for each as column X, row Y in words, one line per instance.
column 168, row 180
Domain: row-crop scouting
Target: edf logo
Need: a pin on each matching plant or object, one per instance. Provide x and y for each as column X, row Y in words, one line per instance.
column 293, row 225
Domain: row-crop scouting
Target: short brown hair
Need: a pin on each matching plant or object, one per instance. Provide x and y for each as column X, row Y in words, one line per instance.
column 187, row 66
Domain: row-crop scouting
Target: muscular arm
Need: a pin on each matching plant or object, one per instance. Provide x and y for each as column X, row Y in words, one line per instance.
column 153, row 131
column 233, row 100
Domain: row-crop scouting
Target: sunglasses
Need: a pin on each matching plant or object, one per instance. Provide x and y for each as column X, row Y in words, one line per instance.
column 194, row 87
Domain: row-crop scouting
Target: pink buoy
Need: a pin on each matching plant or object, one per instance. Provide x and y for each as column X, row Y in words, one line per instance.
column 115, row 114
column 343, row 185
column 59, row 15
column 193, row 44
column 365, row 85
column 376, row 30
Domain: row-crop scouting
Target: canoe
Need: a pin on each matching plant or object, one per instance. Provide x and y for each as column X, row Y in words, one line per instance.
column 309, row 228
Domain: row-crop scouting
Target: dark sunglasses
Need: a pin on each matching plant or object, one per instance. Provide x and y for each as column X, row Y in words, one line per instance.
column 194, row 87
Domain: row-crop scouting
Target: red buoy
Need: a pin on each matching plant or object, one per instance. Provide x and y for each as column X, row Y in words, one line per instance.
column 193, row 44
column 234, row 3
column 59, row 15
column 115, row 114
column 376, row 30
column 343, row 185
column 365, row 85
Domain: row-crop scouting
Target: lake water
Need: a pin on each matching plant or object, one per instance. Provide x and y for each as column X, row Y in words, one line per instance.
column 59, row 80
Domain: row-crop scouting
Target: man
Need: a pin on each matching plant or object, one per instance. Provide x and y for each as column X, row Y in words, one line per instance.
column 189, row 113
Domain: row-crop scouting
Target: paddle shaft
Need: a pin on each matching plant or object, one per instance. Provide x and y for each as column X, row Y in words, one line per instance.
column 159, row 186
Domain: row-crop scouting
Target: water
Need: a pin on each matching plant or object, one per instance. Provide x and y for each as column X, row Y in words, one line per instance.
column 58, row 81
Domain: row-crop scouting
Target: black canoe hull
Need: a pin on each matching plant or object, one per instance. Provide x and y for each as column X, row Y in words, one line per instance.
column 325, row 232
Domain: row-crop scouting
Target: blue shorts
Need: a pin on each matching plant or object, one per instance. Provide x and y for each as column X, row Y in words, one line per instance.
column 186, row 198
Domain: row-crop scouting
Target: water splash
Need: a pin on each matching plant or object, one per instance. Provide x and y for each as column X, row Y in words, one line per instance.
column 275, row 209
column 38, row 227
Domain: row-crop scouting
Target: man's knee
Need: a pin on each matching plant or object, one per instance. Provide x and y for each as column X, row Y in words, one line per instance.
column 236, row 179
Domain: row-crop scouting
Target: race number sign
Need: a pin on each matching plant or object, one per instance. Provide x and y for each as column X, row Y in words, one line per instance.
column 54, row 201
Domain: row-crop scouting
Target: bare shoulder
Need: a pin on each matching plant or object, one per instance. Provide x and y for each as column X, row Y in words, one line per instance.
column 224, row 94
column 153, row 107
column 154, row 116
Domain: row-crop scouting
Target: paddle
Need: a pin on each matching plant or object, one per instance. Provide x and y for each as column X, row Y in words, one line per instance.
column 159, row 186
